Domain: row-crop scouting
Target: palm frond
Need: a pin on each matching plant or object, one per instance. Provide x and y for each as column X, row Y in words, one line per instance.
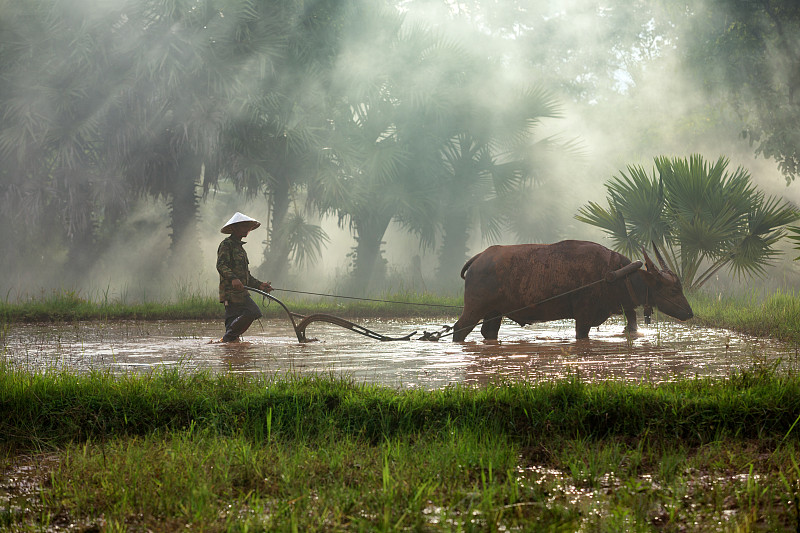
column 613, row 223
column 305, row 241
column 707, row 217
column 641, row 198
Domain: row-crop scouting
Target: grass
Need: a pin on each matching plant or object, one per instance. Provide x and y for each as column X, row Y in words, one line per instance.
column 67, row 306
column 166, row 451
column 55, row 407
column 775, row 315
column 171, row 450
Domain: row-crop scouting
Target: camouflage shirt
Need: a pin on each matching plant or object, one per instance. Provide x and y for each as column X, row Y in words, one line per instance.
column 232, row 264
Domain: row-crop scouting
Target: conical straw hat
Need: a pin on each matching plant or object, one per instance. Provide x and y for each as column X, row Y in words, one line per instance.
column 238, row 218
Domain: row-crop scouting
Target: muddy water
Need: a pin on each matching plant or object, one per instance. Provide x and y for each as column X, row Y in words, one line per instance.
column 662, row 352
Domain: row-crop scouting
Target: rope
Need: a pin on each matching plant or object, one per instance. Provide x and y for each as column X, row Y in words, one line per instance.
column 447, row 330
column 367, row 299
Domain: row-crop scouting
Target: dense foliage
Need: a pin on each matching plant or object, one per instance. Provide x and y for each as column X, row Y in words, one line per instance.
column 704, row 217
column 423, row 114
column 748, row 55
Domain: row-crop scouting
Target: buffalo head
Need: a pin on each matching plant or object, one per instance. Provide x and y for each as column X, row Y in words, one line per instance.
column 665, row 288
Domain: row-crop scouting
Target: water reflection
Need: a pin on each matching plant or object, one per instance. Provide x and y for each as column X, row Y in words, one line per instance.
column 662, row 352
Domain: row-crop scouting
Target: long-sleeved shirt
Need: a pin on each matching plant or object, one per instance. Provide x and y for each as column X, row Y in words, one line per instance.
column 232, row 263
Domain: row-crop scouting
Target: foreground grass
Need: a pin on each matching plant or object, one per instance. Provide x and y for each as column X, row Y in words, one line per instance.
column 228, row 453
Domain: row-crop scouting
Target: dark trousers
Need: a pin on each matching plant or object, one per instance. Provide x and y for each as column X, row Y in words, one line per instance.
column 238, row 318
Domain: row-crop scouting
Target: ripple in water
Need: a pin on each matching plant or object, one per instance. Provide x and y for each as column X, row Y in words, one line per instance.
column 665, row 351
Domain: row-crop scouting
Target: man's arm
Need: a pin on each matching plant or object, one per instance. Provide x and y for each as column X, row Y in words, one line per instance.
column 256, row 284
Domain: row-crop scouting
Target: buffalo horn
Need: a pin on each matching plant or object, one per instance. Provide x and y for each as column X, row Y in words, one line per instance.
column 648, row 262
column 660, row 259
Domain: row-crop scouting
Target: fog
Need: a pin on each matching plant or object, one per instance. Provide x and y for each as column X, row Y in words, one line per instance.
column 99, row 221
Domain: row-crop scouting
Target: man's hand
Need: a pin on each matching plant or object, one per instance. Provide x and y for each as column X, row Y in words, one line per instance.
column 237, row 284
column 266, row 287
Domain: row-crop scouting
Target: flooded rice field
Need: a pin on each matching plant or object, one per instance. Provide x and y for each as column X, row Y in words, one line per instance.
column 665, row 351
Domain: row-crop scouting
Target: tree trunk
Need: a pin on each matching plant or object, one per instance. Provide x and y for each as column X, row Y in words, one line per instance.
column 183, row 209
column 82, row 252
column 276, row 252
column 453, row 252
column 368, row 264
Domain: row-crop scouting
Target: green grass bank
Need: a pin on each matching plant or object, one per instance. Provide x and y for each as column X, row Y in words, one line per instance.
column 67, row 306
column 166, row 451
column 773, row 315
column 53, row 408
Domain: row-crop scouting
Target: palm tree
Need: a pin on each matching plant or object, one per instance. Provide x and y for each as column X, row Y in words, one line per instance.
column 56, row 93
column 273, row 139
column 367, row 177
column 272, row 149
column 359, row 180
column 423, row 146
column 488, row 162
column 703, row 216
column 188, row 64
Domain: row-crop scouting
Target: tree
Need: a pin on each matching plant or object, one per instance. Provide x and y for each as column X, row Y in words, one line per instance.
column 56, row 92
column 273, row 150
column 586, row 50
column 147, row 97
column 188, row 67
column 365, row 178
column 184, row 63
column 703, row 217
column 748, row 56
column 274, row 137
column 488, row 162
column 429, row 133
column 359, row 180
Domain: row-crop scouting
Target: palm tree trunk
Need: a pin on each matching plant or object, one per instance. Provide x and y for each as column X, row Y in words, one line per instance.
column 368, row 266
column 453, row 252
column 276, row 252
column 82, row 252
column 183, row 208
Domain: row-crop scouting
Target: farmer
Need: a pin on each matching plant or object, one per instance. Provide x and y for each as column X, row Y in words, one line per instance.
column 234, row 276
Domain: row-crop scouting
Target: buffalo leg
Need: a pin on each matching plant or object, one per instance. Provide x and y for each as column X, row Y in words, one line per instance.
column 464, row 325
column 582, row 330
column 491, row 326
column 630, row 315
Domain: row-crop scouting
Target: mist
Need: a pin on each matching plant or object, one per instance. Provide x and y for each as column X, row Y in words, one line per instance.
column 132, row 132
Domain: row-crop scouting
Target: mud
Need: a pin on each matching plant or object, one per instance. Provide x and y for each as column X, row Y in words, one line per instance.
column 663, row 351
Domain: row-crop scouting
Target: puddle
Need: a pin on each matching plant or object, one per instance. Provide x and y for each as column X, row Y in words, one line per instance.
column 663, row 352
column 20, row 484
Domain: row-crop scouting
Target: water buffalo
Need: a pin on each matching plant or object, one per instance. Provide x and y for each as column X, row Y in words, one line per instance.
column 514, row 280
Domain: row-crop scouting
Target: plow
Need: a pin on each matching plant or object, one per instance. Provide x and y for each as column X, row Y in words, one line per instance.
column 301, row 322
